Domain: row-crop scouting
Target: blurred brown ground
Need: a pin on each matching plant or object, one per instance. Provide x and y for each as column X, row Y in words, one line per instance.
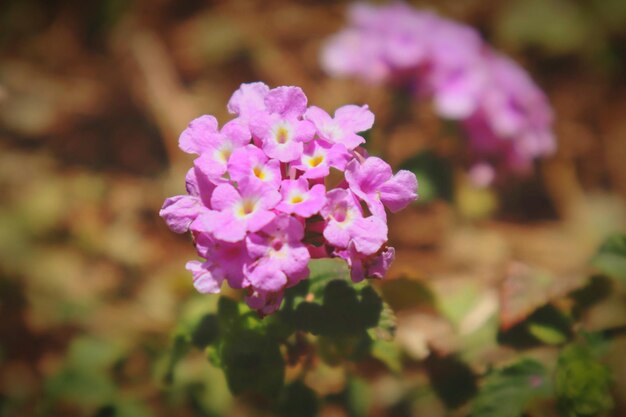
column 93, row 96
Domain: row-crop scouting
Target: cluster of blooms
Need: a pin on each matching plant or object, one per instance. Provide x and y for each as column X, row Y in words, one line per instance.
column 258, row 205
column 506, row 116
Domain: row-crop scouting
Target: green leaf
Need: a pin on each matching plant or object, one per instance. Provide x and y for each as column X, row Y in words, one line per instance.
column 252, row 362
column 582, row 383
column 247, row 353
column 611, row 257
column 452, row 379
column 180, row 346
column 206, row 332
column 84, row 387
column 324, row 270
column 297, row 400
column 557, row 26
column 404, row 293
column 547, row 334
column 127, row 408
column 506, row 392
column 344, row 310
column 434, row 175
column 388, row 353
column 359, row 397
column 547, row 325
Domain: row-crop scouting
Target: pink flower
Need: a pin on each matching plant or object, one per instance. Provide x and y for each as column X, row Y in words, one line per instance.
column 202, row 137
column 251, row 164
column 225, row 260
column 507, row 118
column 236, row 212
column 279, row 126
column 282, row 257
column 180, row 211
column 374, row 182
column 344, row 126
column 248, row 100
column 203, row 278
column 282, row 138
column 319, row 156
column 259, row 211
column 264, row 302
column 346, row 224
column 298, row 199
column 371, row 266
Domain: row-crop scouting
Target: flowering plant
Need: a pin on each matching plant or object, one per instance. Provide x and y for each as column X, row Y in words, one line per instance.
column 505, row 115
column 259, row 203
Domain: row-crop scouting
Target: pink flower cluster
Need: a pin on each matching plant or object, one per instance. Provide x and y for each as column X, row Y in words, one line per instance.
column 258, row 205
column 506, row 116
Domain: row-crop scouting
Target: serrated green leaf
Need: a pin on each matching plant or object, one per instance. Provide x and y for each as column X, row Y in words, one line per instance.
column 611, row 257
column 506, row 392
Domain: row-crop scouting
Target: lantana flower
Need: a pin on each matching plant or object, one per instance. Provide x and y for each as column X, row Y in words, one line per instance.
column 507, row 118
column 258, row 206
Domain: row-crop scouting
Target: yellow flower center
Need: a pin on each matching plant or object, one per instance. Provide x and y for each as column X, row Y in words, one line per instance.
column 296, row 199
column 282, row 135
column 316, row 160
column 259, row 173
column 246, row 207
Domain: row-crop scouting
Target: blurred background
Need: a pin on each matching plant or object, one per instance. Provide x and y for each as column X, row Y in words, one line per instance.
column 93, row 96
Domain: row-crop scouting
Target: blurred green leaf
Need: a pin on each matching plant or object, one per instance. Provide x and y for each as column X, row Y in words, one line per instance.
column 546, row 325
column 324, row 270
column 179, row 348
column 206, row 332
column 597, row 289
column 404, row 293
column 452, row 379
column 344, row 310
column 252, row 362
column 506, row 392
column 359, row 397
column 85, row 378
column 434, row 176
column 547, row 334
column 582, row 383
column 297, row 400
column 81, row 386
column 611, row 257
column 128, row 408
column 388, row 353
column 557, row 26
column 250, row 358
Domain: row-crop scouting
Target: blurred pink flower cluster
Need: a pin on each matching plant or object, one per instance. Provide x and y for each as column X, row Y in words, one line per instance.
column 258, row 206
column 506, row 117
